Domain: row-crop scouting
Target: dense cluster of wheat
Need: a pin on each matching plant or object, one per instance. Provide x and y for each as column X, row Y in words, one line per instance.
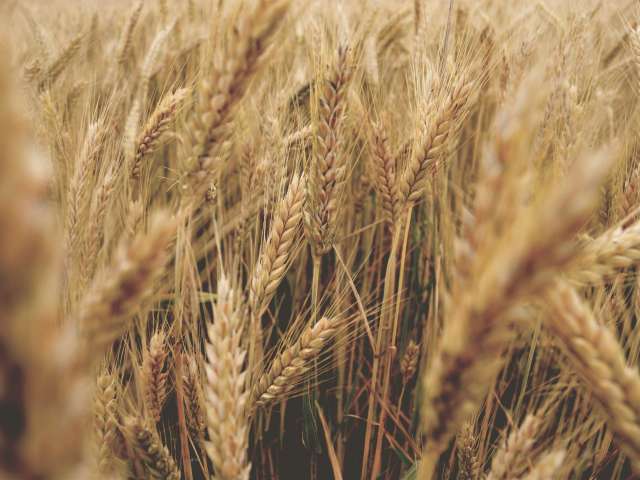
column 375, row 239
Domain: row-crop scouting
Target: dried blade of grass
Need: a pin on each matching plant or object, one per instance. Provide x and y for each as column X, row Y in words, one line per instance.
column 333, row 458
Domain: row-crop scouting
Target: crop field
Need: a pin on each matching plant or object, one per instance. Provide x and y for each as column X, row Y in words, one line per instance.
column 319, row 239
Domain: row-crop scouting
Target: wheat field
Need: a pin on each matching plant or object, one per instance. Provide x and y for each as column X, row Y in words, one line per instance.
column 323, row 239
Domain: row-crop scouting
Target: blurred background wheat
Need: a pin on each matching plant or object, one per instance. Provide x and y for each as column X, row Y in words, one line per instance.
column 374, row 239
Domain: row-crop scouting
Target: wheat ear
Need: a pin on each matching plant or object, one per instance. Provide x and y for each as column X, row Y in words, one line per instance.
column 599, row 360
column 94, row 237
column 113, row 296
column 77, row 197
column 193, row 399
column 470, row 351
column 546, row 467
column 155, row 375
column 275, row 257
column 612, row 251
column 126, row 37
column 219, row 96
column 289, row 366
column 433, row 147
column 105, row 410
column 155, row 128
column 466, row 451
column 62, row 61
column 149, row 449
column 225, row 389
column 409, row 361
column 328, row 171
column 515, row 450
column 383, row 165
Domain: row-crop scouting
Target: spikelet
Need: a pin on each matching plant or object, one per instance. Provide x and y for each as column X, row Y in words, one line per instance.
column 225, row 389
